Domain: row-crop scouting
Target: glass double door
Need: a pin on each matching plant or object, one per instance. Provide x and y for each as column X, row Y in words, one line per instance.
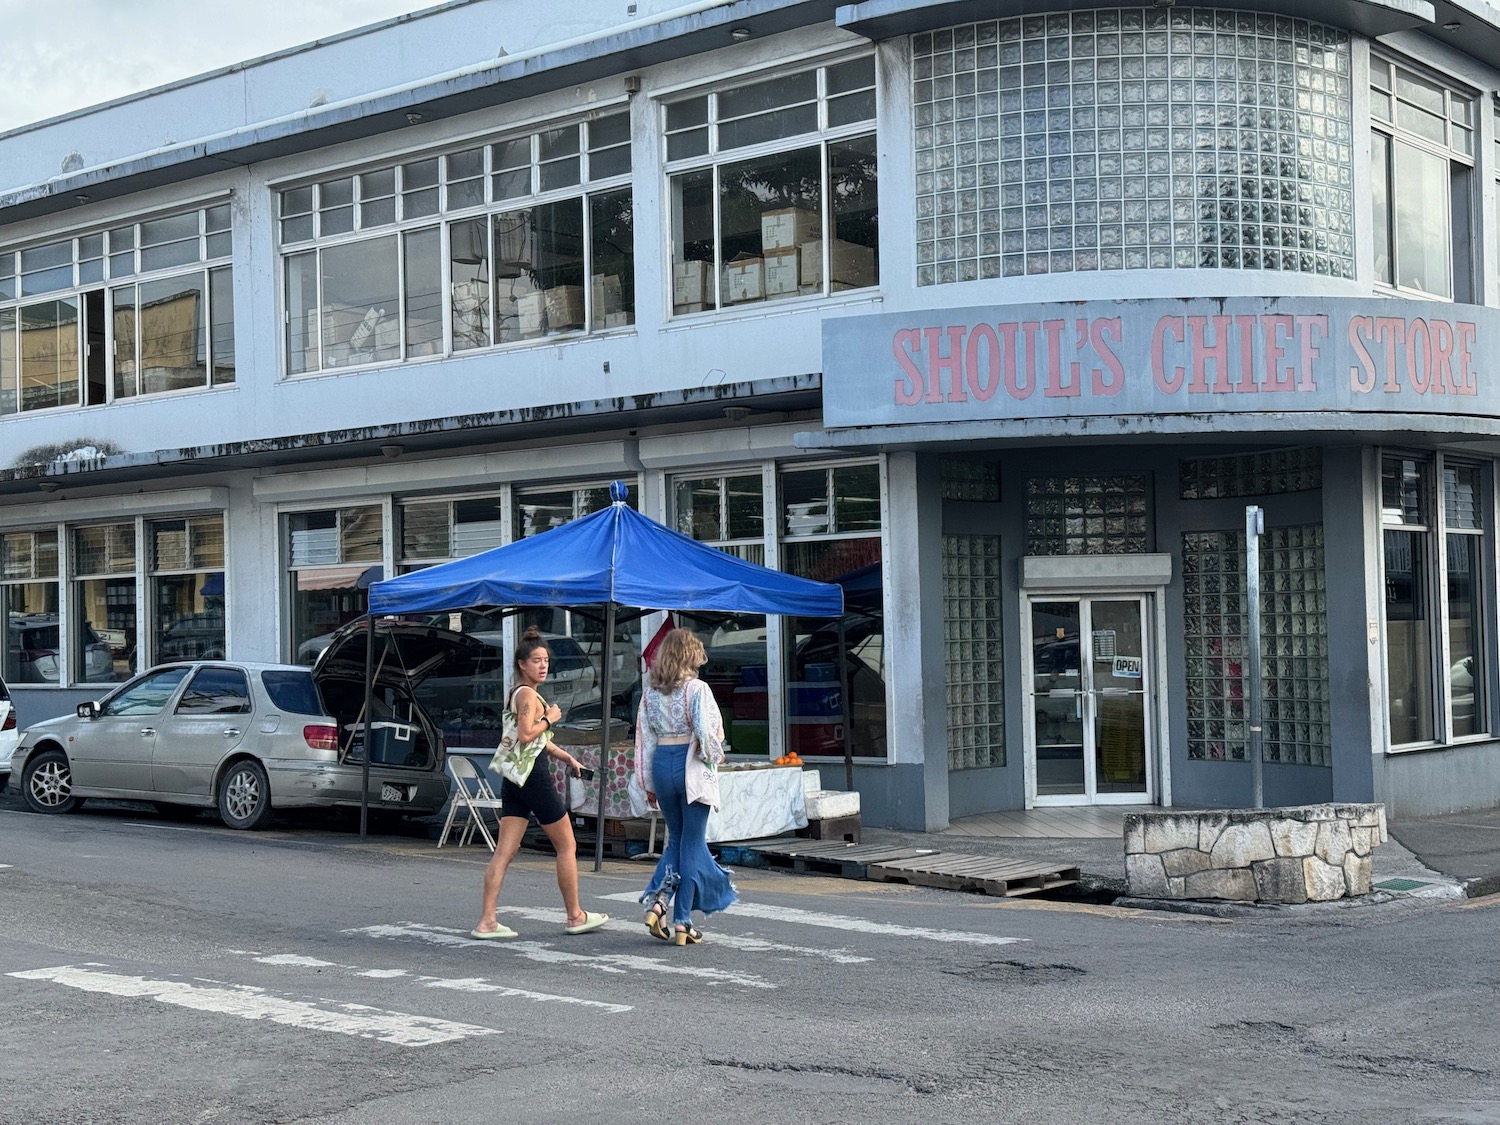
column 1091, row 737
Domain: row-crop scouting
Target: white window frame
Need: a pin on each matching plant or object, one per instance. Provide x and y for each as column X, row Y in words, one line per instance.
column 716, row 157
column 441, row 219
column 1435, row 532
column 1463, row 280
column 215, row 253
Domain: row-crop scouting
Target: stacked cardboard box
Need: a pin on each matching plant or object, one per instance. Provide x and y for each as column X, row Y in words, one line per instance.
column 744, row 279
column 607, row 295
column 783, row 272
column 531, row 313
column 787, row 228
column 850, row 265
column 564, row 307
column 690, row 286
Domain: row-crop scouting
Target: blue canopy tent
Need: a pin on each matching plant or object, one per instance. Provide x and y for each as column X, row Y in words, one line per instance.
column 614, row 557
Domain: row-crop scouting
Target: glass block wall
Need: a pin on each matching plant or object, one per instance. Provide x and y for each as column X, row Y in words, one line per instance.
column 1136, row 138
column 1096, row 515
column 965, row 479
column 1294, row 646
column 1251, row 474
column 973, row 658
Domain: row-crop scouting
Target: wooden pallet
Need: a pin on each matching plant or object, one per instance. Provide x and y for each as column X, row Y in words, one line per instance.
column 954, row 872
column 828, row 857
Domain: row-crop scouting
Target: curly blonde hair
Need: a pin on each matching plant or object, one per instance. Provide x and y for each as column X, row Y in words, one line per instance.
column 677, row 660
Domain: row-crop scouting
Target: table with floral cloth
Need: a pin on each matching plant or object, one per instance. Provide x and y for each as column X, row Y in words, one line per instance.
column 582, row 797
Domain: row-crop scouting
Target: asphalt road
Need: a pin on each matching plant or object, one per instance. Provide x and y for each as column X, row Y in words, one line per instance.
column 155, row 971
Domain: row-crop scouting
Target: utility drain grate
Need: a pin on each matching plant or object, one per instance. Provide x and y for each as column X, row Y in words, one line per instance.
column 1400, row 884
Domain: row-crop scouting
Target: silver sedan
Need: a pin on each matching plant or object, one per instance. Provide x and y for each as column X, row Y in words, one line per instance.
column 246, row 738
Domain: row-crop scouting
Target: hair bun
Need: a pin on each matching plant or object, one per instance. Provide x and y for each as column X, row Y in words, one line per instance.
column 532, row 634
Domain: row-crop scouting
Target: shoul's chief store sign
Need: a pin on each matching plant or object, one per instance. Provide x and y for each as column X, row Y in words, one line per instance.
column 1199, row 356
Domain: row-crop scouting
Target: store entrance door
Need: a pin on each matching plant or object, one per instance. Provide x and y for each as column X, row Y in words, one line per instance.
column 1091, row 739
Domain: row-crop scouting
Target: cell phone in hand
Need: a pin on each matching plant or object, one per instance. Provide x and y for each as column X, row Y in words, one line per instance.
column 583, row 773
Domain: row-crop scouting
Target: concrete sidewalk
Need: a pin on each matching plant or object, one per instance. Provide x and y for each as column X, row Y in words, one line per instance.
column 1464, row 847
column 1443, row 857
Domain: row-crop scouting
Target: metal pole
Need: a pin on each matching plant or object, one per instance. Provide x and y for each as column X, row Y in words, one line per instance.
column 606, row 659
column 845, row 709
column 364, row 768
column 1255, row 526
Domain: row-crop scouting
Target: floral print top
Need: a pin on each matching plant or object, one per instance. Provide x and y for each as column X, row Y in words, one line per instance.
column 677, row 716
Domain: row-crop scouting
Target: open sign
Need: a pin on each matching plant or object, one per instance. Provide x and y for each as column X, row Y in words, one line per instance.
column 1127, row 668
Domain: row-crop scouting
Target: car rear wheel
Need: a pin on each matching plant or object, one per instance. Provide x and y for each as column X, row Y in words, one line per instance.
column 48, row 783
column 245, row 796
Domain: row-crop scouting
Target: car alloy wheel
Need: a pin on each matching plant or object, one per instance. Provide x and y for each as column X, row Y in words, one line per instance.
column 245, row 796
column 49, row 783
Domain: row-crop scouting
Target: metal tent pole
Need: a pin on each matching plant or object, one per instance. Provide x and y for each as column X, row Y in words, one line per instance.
column 844, row 708
column 364, row 768
column 606, row 720
column 1255, row 527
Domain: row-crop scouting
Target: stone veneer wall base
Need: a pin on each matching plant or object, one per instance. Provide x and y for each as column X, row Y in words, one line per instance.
column 1304, row 853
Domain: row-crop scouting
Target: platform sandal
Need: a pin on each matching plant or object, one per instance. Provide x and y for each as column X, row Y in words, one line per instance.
column 690, row 935
column 656, row 921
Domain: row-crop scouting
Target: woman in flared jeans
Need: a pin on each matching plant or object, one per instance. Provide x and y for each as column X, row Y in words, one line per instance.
column 679, row 746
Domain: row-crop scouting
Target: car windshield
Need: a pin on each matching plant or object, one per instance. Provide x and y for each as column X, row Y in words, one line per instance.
column 564, row 655
column 293, row 691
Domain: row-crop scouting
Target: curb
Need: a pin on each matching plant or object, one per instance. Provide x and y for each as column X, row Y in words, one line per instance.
column 1482, row 886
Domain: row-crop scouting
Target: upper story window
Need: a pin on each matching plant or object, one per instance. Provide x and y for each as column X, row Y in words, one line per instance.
column 137, row 309
column 759, row 172
column 512, row 240
column 1422, row 181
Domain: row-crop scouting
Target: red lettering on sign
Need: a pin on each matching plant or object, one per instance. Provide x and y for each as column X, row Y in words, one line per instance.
column 980, row 387
column 1104, row 333
column 1464, row 333
column 1418, row 367
column 1012, row 379
column 1246, row 325
column 1359, row 329
column 939, row 364
column 1442, row 357
column 1390, row 331
column 1204, row 352
column 1167, row 325
column 1307, row 328
column 1056, row 388
column 909, row 386
column 1278, row 377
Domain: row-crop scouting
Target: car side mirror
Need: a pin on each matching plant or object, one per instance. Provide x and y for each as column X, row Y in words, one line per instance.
column 89, row 710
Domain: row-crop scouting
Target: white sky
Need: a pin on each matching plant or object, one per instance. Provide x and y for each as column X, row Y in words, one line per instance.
column 61, row 55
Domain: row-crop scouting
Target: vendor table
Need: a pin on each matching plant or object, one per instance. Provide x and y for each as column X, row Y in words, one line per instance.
column 758, row 801
column 754, row 801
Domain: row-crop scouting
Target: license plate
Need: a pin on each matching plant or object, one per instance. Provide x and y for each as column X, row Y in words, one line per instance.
column 392, row 792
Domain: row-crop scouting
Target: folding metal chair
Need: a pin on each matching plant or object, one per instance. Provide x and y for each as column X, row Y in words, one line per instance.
column 472, row 793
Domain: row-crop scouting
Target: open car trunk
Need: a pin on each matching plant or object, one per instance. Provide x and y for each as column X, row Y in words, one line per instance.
column 421, row 673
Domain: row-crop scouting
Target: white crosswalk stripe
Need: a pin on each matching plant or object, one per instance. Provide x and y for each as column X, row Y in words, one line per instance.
column 546, row 954
column 733, row 941
column 251, row 1003
column 459, row 984
column 841, row 922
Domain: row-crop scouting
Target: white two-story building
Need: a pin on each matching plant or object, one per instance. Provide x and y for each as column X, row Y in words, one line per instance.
column 1000, row 319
